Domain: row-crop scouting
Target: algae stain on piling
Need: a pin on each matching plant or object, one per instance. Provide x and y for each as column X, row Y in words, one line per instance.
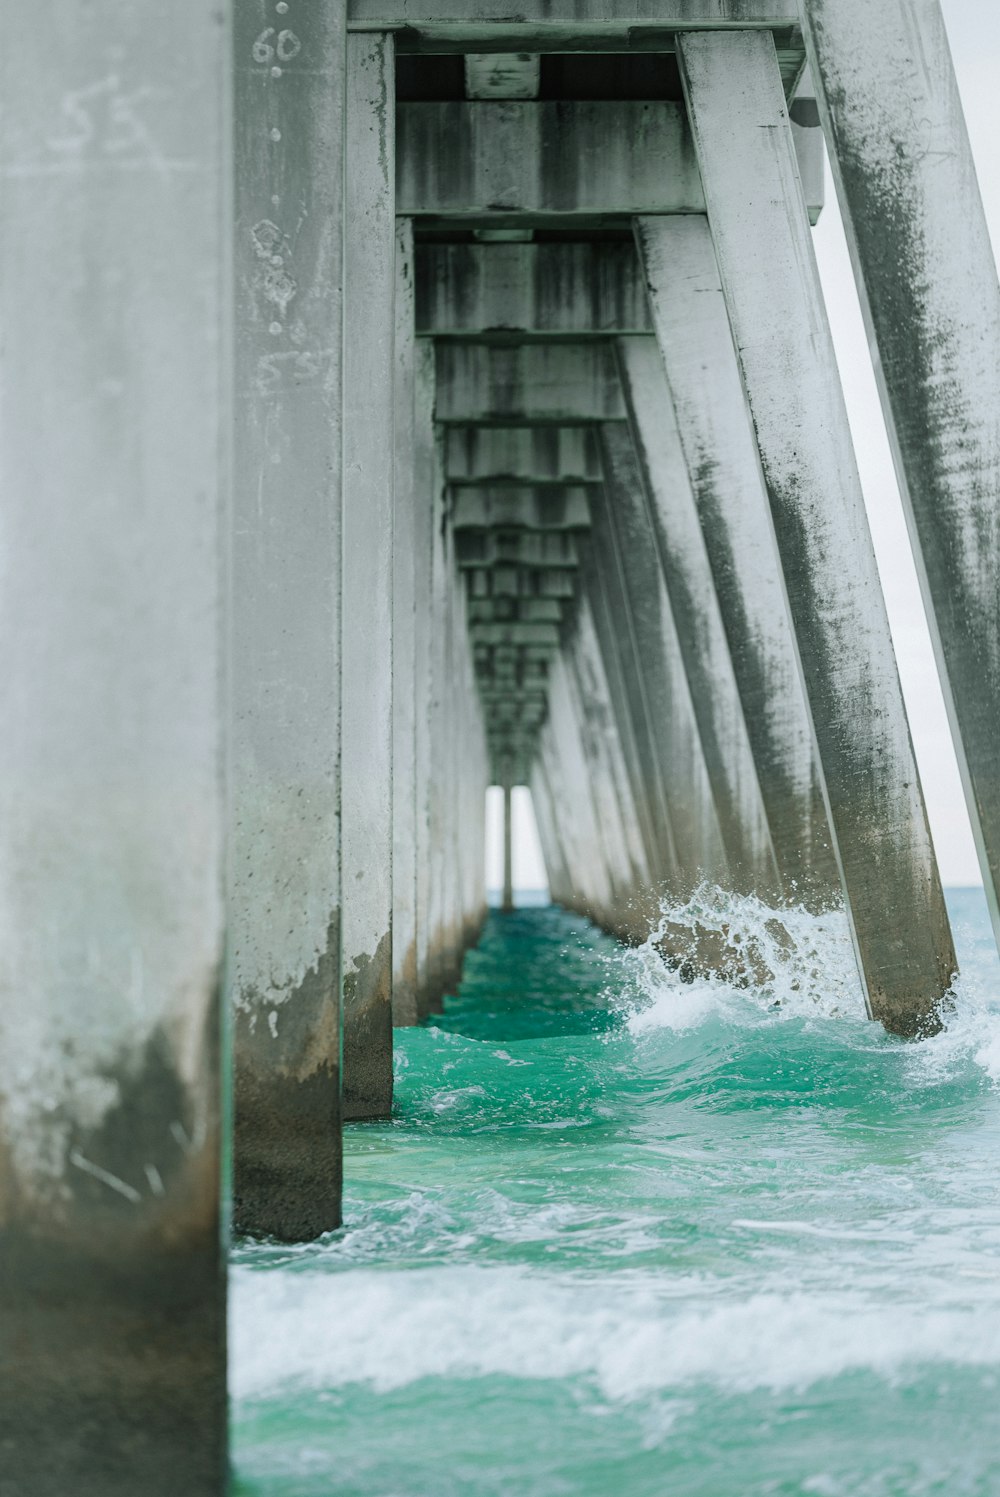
column 368, row 1035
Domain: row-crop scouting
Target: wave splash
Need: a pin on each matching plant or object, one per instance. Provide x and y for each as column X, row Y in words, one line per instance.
column 317, row 1332
column 733, row 958
column 717, row 952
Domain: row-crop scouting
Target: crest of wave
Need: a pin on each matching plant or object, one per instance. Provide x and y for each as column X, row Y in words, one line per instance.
column 720, row 952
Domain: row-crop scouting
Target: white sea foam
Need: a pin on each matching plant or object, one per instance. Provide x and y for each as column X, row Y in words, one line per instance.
column 765, row 960
column 324, row 1330
column 804, row 967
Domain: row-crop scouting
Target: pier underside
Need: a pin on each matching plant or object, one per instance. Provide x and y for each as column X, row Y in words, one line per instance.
column 430, row 398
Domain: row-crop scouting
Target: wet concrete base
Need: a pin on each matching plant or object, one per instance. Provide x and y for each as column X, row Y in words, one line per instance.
column 368, row 1035
column 113, row 1366
column 287, row 1170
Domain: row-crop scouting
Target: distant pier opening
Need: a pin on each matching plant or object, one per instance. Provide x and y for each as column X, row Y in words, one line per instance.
column 530, row 884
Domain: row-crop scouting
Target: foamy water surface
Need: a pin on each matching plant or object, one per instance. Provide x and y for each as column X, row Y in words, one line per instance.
column 627, row 1234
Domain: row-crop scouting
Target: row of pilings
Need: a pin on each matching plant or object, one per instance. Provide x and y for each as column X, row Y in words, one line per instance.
column 397, row 403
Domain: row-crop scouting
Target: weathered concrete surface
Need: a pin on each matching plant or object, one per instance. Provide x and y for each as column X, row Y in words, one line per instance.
column 493, row 161
column 521, row 454
column 114, row 444
column 766, row 259
column 625, row 549
column 546, row 164
column 907, row 184
column 541, row 383
column 465, row 290
column 724, row 472
column 649, row 458
column 548, row 507
column 501, row 75
column 553, row 857
column 569, row 780
column 404, row 664
column 507, row 893
column 600, row 587
column 440, row 957
column 609, row 776
column 516, row 548
column 425, row 477
column 285, row 607
column 287, row 1171
column 557, row 21
column 366, row 733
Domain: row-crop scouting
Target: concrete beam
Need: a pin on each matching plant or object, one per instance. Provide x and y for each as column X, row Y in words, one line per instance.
column 521, row 454
column 515, row 634
column 650, row 460
column 548, row 508
column 502, row 75
column 547, row 384
column 540, row 164
column 563, row 25
column 284, row 898
column 517, row 548
column 115, row 434
column 723, row 470
column 928, row 282
column 766, row 259
column 520, row 610
column 521, row 582
column 366, row 741
column 573, row 290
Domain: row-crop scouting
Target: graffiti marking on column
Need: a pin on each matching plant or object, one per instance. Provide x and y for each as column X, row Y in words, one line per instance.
column 285, row 46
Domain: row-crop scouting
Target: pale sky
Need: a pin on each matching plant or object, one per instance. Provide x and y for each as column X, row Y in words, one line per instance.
column 974, row 30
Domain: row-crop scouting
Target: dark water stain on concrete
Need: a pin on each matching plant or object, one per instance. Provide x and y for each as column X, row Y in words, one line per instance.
column 287, row 1111
column 368, row 1034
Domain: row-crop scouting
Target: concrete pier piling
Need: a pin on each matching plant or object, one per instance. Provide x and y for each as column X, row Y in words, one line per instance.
column 400, row 405
column 115, row 434
column 285, row 585
column 901, row 159
column 739, row 122
column 367, row 599
column 653, row 450
column 661, row 709
column 706, row 400
column 507, row 896
column 404, row 650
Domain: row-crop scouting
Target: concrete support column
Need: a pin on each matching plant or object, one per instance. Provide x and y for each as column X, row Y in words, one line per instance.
column 608, row 780
column 705, row 397
column 285, row 631
column 115, row 427
column 656, row 833
column 366, row 743
column 424, row 478
column 569, row 782
column 437, row 785
column 548, row 835
column 404, row 705
column 508, row 849
column 708, row 665
column 921, row 249
column 667, row 728
column 761, row 232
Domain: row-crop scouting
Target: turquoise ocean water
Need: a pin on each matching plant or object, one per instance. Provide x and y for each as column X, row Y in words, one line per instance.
column 629, row 1236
